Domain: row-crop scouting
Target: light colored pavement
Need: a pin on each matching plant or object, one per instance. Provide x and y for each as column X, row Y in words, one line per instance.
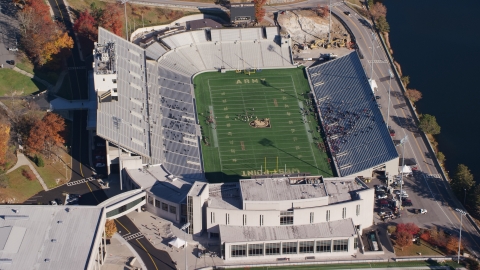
column 120, row 255
column 23, row 160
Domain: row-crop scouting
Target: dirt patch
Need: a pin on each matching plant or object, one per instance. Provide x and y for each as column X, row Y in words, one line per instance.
column 305, row 26
column 261, row 123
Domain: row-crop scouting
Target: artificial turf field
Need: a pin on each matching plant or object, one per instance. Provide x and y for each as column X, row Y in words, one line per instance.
column 232, row 149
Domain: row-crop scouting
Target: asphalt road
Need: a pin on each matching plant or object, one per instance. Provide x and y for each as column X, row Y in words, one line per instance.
column 8, row 32
column 77, row 69
column 428, row 189
column 152, row 257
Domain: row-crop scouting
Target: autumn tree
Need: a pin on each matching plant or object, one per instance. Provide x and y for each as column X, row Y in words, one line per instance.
column 46, row 134
column 4, row 138
column 405, row 80
column 410, row 228
column 441, row 157
column 403, row 239
column 413, row 95
column 429, row 125
column 86, row 25
column 323, row 11
column 378, row 10
column 42, row 38
column 111, row 18
column 259, row 10
column 110, row 228
column 462, row 180
column 452, row 245
column 382, row 25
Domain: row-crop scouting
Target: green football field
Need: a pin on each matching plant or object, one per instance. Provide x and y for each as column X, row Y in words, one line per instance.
column 253, row 124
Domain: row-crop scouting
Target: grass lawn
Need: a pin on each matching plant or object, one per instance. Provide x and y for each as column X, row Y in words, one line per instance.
column 47, row 75
column 13, row 81
column 398, row 265
column 233, row 149
column 19, row 187
column 425, row 249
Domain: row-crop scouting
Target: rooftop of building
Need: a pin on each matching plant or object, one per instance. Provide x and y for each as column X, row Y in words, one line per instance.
column 202, row 24
column 342, row 190
column 104, row 58
column 46, row 236
column 155, row 180
column 239, row 234
column 282, row 189
column 225, row 196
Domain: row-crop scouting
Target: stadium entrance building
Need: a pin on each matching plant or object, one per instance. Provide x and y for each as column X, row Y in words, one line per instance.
column 242, row 13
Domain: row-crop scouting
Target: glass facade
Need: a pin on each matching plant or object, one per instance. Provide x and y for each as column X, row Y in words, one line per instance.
column 306, row 246
column 272, row 248
column 255, row 250
column 238, row 250
column 324, row 246
column 340, row 245
column 289, row 248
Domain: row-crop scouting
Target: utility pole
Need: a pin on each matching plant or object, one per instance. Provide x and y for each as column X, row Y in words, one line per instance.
column 462, row 213
column 184, row 229
column 402, row 142
column 124, row 2
column 330, row 22
column 373, row 53
column 389, row 87
column 116, row 122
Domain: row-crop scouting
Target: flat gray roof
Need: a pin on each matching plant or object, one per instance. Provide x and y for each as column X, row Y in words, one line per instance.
column 225, row 196
column 280, row 189
column 238, row 234
column 48, row 232
column 343, row 190
column 357, row 136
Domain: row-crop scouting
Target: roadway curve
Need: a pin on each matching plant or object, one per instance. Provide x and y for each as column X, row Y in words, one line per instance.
column 430, row 191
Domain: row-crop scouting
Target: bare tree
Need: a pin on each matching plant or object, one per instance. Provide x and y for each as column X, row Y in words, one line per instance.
column 378, row 10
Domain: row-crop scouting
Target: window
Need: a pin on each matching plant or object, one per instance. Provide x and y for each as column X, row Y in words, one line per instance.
column 289, row 248
column 358, row 210
column 272, row 248
column 311, row 217
column 212, row 217
column 255, row 250
column 344, row 212
column 261, row 220
column 355, row 242
column 150, row 200
column 157, row 203
column 328, row 215
column 324, row 246
column 164, row 207
column 173, row 209
column 244, row 220
column 340, row 245
column 306, row 246
column 239, row 250
column 286, row 217
column 227, row 219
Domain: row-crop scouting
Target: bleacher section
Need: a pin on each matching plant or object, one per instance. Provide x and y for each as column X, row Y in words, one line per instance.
column 166, row 113
column 357, row 136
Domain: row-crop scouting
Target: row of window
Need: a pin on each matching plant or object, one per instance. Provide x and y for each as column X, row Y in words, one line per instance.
column 165, row 207
column 286, row 217
column 267, row 249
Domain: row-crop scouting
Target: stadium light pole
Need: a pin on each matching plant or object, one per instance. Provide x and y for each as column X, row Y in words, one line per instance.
column 402, row 141
column 373, row 54
column 389, row 88
column 124, row 2
column 330, row 22
column 184, row 229
column 116, row 122
column 462, row 213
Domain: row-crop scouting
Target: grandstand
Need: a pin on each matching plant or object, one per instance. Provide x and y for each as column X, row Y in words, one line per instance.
column 153, row 90
column 357, row 136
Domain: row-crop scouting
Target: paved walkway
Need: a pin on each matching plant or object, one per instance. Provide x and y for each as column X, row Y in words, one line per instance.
column 23, row 160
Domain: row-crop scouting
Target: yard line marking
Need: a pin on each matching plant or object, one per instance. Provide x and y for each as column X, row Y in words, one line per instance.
column 242, row 145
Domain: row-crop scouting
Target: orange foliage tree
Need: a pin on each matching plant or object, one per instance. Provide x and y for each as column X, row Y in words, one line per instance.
column 259, row 10
column 410, row 228
column 46, row 134
column 323, row 11
column 41, row 36
column 111, row 18
column 378, row 10
column 404, row 239
column 4, row 138
column 86, row 25
column 413, row 94
column 452, row 245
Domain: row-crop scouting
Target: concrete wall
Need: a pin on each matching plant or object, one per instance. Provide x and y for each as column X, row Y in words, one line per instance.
column 300, row 216
column 157, row 210
column 351, row 250
column 277, row 205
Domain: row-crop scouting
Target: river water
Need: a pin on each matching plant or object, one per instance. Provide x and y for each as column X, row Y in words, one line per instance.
column 437, row 44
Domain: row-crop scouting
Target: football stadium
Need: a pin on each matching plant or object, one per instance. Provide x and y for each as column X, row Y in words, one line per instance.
column 218, row 130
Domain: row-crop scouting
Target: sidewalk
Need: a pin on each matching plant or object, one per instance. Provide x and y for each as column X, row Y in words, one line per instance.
column 23, row 160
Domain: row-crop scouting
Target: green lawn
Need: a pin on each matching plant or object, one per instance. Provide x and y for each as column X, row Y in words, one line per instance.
column 44, row 74
column 232, row 149
column 398, row 265
column 424, row 248
column 19, row 187
column 13, row 81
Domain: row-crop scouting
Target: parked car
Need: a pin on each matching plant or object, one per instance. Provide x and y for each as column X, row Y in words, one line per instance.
column 382, row 196
column 53, row 203
column 383, row 203
column 407, row 203
column 421, row 211
column 72, row 199
column 404, row 195
column 100, row 165
column 13, row 49
column 397, row 192
column 59, row 202
column 347, row 13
